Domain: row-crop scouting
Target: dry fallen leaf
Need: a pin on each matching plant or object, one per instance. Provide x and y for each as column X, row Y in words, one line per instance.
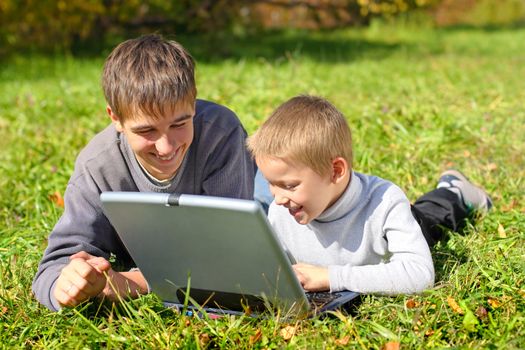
column 204, row 339
column 343, row 341
column 481, row 312
column 256, row 337
column 391, row 345
column 494, row 303
column 454, row 305
column 492, row 166
column 501, row 231
column 57, row 198
column 411, row 304
column 512, row 205
column 288, row 332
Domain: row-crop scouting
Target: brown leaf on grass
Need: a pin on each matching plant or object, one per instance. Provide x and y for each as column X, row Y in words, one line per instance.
column 481, row 312
column 454, row 305
column 342, row 341
column 492, row 166
column 391, row 345
column 256, row 337
column 57, row 198
column 512, row 205
column 494, row 303
column 411, row 304
column 288, row 332
column 501, row 231
column 204, row 339
column 4, row 310
column 466, row 154
column 429, row 332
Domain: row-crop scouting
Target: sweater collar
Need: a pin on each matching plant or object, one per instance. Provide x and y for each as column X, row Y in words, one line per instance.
column 343, row 205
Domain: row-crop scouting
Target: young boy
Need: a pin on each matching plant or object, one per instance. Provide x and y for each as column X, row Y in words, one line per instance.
column 161, row 139
column 347, row 230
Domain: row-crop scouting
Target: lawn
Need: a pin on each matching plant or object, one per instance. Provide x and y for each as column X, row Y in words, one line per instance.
column 419, row 100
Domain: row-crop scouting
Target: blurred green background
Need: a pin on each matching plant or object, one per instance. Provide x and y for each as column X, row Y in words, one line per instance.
column 88, row 26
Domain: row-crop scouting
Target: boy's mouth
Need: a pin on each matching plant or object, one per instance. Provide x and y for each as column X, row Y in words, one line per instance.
column 167, row 158
column 294, row 211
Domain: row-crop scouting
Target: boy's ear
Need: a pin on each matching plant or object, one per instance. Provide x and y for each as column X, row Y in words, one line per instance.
column 115, row 119
column 339, row 169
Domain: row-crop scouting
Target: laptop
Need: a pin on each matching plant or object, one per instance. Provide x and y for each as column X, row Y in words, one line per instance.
column 212, row 254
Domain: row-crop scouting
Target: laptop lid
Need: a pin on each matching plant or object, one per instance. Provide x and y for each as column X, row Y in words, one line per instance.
column 222, row 250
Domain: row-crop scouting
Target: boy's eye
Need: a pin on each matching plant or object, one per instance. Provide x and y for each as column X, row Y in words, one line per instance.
column 143, row 131
column 290, row 187
column 178, row 125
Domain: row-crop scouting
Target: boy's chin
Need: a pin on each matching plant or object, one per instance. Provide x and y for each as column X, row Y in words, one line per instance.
column 301, row 219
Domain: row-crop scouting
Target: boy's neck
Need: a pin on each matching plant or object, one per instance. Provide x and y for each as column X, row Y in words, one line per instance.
column 341, row 187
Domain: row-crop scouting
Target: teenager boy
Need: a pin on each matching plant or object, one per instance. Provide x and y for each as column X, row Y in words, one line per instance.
column 347, row 230
column 161, row 139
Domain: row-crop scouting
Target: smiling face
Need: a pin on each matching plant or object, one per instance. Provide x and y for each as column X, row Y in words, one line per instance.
column 305, row 193
column 159, row 144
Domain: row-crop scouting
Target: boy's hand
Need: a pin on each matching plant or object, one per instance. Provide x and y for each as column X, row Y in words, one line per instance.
column 81, row 279
column 312, row 278
column 128, row 284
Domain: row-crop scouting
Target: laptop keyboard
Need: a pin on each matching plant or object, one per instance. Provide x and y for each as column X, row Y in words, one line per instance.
column 318, row 300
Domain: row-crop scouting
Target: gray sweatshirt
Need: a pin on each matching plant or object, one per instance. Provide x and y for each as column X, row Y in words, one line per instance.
column 217, row 164
column 368, row 240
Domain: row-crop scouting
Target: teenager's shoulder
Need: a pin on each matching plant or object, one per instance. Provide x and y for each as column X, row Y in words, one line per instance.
column 101, row 144
column 102, row 157
column 207, row 112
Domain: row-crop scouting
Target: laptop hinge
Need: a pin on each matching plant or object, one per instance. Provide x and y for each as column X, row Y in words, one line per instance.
column 173, row 199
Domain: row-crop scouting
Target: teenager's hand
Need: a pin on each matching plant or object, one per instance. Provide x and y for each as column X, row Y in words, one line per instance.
column 81, row 279
column 128, row 284
column 312, row 278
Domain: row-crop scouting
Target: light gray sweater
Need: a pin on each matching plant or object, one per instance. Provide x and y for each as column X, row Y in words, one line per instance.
column 217, row 164
column 368, row 240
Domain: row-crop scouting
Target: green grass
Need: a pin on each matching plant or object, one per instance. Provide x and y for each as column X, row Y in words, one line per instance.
column 418, row 101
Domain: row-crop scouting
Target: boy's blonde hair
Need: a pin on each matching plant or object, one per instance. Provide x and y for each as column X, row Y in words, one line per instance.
column 305, row 129
column 148, row 75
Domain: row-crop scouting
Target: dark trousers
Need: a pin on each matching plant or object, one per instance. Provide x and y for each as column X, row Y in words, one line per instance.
column 439, row 209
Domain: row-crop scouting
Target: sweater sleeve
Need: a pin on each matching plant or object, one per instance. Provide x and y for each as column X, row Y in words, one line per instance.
column 407, row 266
column 82, row 227
column 232, row 169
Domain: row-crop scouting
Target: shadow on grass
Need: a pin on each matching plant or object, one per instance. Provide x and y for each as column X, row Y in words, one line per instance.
column 320, row 46
column 331, row 46
column 447, row 256
column 487, row 28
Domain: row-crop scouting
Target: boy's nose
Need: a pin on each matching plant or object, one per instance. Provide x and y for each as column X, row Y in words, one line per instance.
column 164, row 146
column 280, row 200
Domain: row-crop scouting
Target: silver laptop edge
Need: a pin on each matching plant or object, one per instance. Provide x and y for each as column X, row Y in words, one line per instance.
column 176, row 247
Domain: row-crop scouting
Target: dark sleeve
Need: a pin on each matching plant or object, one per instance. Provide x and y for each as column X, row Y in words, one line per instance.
column 232, row 167
column 82, row 226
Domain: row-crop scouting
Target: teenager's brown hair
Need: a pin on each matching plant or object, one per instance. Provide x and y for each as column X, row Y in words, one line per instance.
column 306, row 129
column 148, row 75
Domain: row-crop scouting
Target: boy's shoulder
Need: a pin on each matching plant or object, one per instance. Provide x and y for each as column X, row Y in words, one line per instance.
column 101, row 143
column 373, row 183
column 378, row 191
column 102, row 150
column 207, row 112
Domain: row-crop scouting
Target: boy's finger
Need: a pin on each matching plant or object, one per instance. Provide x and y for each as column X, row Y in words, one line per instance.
column 100, row 264
column 81, row 255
